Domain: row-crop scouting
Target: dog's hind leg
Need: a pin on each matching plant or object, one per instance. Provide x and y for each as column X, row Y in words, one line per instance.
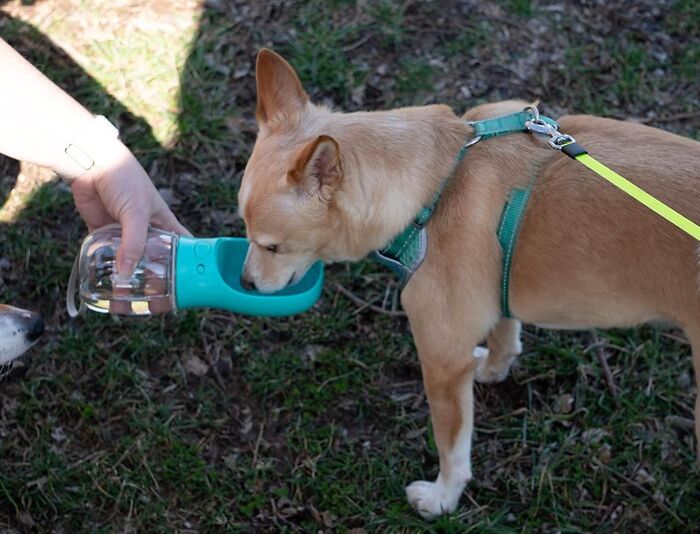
column 693, row 335
column 504, row 346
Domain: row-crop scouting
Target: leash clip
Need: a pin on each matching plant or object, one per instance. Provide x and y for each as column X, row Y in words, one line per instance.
column 556, row 139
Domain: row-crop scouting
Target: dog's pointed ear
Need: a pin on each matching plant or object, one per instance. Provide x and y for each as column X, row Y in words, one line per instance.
column 279, row 89
column 317, row 168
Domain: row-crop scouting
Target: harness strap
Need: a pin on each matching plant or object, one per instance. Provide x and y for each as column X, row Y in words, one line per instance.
column 73, row 311
column 406, row 251
column 507, row 233
column 515, row 122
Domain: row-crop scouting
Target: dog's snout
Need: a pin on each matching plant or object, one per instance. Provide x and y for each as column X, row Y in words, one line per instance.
column 36, row 327
column 247, row 283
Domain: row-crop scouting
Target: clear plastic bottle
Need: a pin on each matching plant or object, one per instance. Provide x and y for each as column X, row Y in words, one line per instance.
column 151, row 287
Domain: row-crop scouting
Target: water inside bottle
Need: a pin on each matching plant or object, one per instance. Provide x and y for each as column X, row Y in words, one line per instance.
column 148, row 290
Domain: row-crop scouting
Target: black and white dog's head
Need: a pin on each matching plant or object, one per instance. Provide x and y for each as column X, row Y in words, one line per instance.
column 19, row 330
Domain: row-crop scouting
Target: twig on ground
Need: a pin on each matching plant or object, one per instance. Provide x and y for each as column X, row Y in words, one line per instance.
column 671, row 118
column 683, row 423
column 609, row 380
column 257, row 445
column 659, row 503
column 212, row 362
column 362, row 40
column 362, row 304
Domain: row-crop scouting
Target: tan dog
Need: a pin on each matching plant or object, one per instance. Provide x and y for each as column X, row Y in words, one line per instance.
column 19, row 330
column 337, row 186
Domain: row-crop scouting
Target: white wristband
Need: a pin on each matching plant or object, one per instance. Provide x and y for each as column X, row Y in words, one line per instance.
column 81, row 153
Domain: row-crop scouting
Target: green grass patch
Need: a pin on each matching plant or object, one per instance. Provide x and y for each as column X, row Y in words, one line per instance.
column 520, row 8
column 318, row 54
column 389, row 18
column 414, row 81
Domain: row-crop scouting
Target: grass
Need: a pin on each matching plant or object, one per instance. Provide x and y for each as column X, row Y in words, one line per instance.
column 317, row 51
column 469, row 39
column 390, row 22
column 520, row 8
column 414, row 80
column 209, row 422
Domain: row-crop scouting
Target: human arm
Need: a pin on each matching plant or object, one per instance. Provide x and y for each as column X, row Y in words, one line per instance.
column 38, row 121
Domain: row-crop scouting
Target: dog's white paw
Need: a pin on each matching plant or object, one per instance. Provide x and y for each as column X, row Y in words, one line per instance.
column 431, row 499
column 488, row 374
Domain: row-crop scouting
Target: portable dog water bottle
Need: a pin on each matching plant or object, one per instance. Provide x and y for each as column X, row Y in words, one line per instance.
column 178, row 272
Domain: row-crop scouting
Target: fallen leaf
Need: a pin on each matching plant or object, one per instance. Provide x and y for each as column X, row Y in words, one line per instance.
column 196, row 366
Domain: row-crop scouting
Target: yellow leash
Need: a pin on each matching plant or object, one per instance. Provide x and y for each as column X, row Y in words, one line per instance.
column 640, row 195
column 571, row 148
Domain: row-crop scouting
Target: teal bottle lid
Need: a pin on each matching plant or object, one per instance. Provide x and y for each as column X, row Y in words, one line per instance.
column 208, row 273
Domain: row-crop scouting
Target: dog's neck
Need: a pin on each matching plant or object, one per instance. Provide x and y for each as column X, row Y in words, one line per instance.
column 393, row 163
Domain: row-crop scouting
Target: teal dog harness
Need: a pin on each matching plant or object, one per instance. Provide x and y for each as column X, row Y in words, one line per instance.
column 405, row 252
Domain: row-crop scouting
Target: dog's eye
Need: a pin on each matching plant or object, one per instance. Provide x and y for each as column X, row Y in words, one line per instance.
column 272, row 248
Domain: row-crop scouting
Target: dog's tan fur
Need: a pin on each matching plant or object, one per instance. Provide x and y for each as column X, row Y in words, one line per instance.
column 336, row 186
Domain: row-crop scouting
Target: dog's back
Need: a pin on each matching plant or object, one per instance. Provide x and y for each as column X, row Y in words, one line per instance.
column 600, row 256
column 587, row 253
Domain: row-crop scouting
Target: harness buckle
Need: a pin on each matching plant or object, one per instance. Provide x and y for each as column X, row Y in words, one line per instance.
column 474, row 140
column 534, row 111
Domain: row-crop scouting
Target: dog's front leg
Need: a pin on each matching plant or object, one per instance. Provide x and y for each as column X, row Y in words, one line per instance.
column 448, row 375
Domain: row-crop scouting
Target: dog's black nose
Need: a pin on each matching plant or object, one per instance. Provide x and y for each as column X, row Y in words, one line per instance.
column 247, row 284
column 36, row 328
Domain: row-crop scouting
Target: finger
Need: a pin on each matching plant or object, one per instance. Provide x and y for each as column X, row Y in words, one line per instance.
column 157, row 291
column 91, row 208
column 119, row 304
column 134, row 230
column 160, row 305
column 166, row 220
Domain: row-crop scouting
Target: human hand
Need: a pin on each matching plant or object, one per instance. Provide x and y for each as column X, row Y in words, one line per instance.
column 117, row 189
